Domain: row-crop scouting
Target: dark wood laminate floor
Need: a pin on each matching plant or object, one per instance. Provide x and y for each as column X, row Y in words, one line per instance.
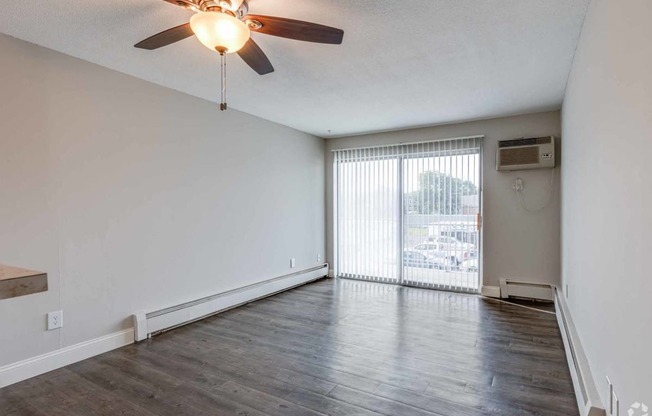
column 334, row 347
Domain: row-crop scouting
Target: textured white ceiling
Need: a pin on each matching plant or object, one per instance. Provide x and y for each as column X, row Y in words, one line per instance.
column 402, row 64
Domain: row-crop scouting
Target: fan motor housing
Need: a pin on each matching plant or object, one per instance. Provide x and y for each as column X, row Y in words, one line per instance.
column 215, row 5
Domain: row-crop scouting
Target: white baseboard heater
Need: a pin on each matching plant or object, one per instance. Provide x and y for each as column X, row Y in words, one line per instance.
column 586, row 393
column 528, row 290
column 152, row 323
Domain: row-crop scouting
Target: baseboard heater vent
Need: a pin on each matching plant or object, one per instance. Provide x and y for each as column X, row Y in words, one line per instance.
column 151, row 323
column 586, row 393
column 527, row 290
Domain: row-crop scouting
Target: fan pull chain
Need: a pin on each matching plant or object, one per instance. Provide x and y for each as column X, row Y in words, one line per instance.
column 223, row 106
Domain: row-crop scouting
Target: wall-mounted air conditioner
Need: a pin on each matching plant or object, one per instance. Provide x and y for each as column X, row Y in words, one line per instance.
column 519, row 154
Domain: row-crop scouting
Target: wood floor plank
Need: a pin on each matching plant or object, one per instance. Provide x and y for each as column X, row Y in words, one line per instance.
column 14, row 405
column 378, row 404
column 327, row 405
column 333, row 347
column 271, row 405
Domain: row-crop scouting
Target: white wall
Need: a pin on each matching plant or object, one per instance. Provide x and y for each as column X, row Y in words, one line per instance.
column 517, row 244
column 607, row 193
column 132, row 196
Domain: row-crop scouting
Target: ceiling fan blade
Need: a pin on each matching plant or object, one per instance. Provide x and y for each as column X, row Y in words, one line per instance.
column 255, row 58
column 166, row 37
column 297, row 29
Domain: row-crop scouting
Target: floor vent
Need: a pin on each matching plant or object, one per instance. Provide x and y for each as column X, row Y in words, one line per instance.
column 151, row 323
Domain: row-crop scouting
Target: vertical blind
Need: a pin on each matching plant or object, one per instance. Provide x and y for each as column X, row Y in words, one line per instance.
column 409, row 213
column 368, row 200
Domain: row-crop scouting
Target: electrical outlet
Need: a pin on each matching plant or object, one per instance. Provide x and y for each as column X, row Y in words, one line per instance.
column 55, row 320
column 293, row 263
column 518, row 185
column 318, row 258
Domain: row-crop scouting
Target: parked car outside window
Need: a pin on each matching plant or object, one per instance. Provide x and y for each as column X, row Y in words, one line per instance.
column 439, row 251
column 413, row 258
column 452, row 244
column 469, row 265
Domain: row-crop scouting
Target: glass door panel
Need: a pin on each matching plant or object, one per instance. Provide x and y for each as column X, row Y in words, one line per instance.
column 441, row 197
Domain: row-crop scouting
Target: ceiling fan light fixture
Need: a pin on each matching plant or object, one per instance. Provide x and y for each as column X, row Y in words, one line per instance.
column 220, row 31
column 232, row 5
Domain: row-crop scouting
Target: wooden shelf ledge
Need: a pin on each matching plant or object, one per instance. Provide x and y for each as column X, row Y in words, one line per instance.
column 15, row 282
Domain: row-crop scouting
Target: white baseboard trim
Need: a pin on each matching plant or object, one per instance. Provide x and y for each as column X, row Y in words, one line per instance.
column 151, row 323
column 588, row 399
column 490, row 291
column 32, row 367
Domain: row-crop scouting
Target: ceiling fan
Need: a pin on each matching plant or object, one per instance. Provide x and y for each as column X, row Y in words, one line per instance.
column 225, row 26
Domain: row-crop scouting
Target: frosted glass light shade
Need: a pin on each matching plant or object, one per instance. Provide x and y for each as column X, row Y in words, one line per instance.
column 217, row 30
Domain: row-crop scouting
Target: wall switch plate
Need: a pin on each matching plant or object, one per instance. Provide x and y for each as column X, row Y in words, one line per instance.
column 293, row 263
column 55, row 320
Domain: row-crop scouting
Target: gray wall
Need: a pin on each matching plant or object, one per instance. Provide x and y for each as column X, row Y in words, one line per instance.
column 607, row 192
column 517, row 244
column 135, row 197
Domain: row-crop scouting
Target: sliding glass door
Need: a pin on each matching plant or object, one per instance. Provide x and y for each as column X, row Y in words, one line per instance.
column 410, row 214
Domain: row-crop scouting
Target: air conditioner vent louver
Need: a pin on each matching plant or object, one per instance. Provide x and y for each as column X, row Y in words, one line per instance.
column 519, row 156
column 532, row 153
column 524, row 142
